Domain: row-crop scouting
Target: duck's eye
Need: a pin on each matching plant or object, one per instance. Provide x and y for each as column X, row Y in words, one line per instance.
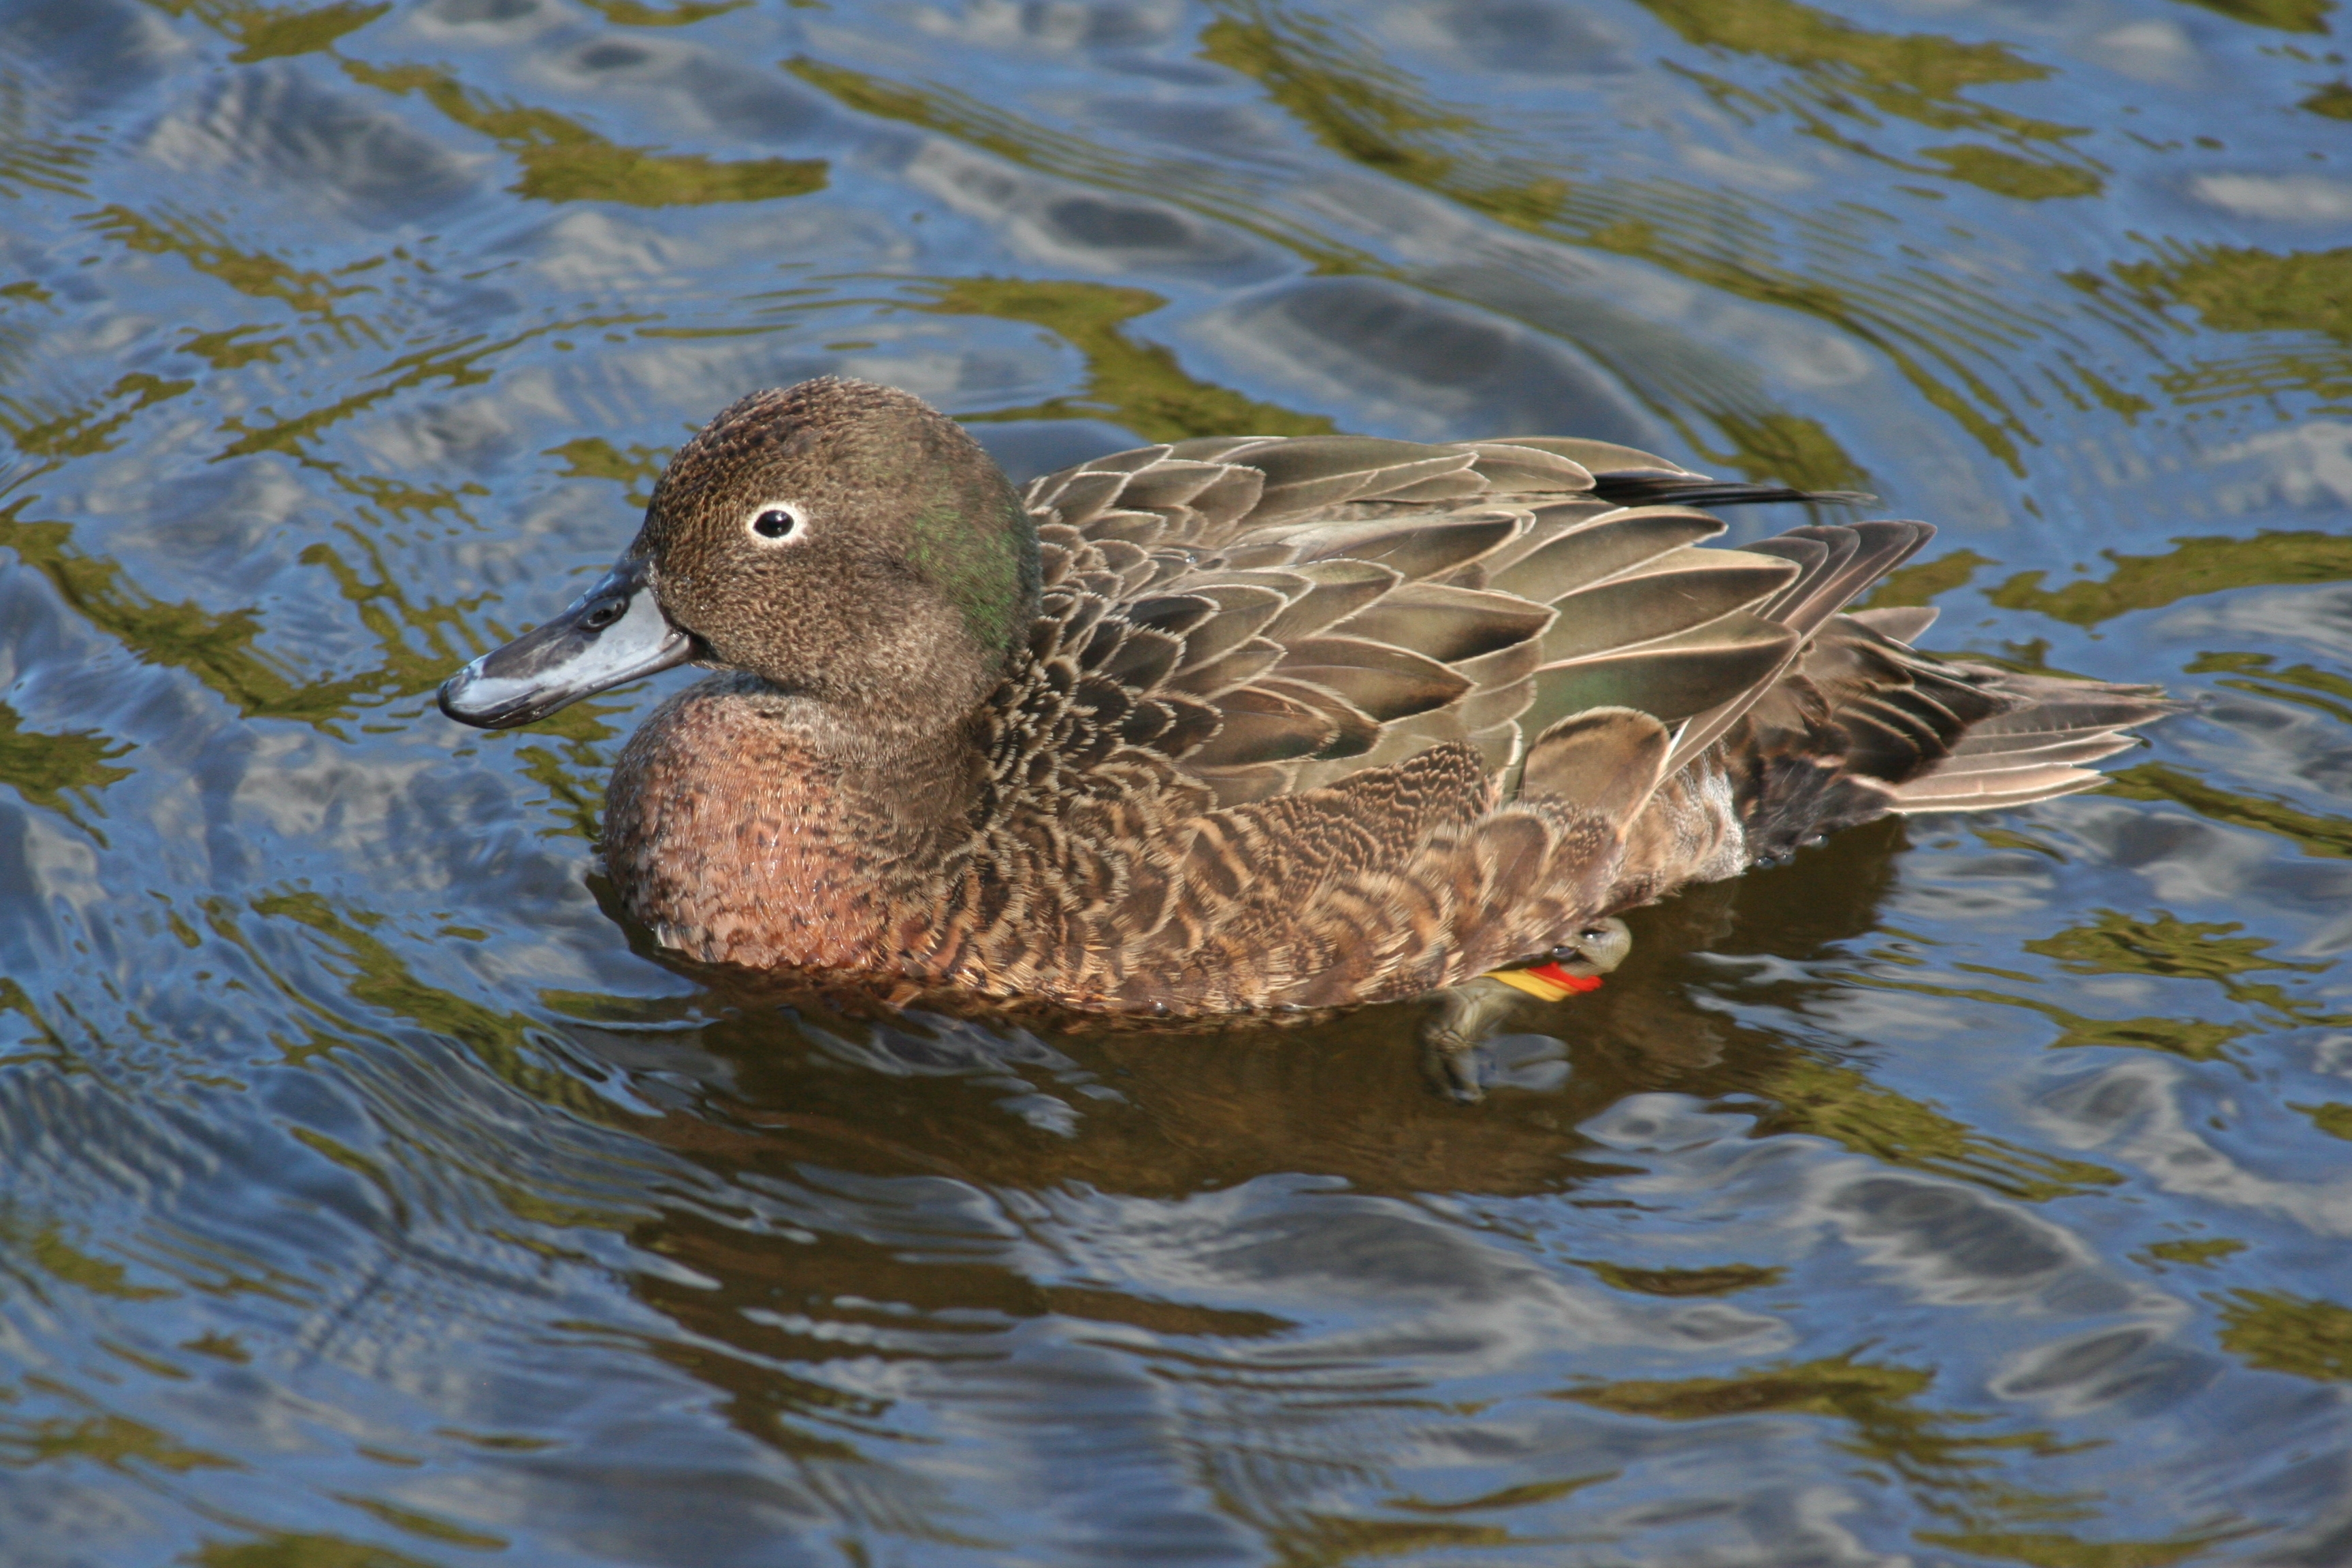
column 775, row 522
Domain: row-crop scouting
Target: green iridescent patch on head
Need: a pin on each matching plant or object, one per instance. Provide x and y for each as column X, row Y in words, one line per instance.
column 971, row 539
column 978, row 569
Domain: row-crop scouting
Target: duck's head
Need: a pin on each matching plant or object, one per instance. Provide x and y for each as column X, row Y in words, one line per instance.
column 843, row 541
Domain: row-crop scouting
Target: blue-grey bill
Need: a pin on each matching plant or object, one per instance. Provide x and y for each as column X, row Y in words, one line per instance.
column 613, row 634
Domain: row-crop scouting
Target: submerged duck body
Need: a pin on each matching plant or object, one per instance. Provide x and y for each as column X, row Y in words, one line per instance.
column 1240, row 724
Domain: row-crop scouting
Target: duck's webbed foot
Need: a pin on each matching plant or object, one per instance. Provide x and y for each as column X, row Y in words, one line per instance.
column 1461, row 1017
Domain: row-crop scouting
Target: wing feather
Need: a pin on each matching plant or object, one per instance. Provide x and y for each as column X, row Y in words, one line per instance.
column 1280, row 612
column 1592, row 549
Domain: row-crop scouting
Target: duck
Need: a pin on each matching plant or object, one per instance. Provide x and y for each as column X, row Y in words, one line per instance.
column 1242, row 726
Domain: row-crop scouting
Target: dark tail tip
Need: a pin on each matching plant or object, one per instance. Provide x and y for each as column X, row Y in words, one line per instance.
column 1648, row 486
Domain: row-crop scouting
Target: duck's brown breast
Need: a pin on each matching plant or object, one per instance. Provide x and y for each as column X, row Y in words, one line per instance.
column 740, row 843
column 735, row 842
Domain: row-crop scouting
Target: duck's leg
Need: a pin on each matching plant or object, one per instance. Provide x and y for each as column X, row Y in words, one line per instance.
column 1459, row 1017
column 1462, row 1017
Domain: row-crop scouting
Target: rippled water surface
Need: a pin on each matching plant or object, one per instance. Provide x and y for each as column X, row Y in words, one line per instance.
column 1968, row 1191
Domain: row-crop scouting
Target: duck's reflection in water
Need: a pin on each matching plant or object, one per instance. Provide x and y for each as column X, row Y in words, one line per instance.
column 919, row 1188
column 1006, row 1106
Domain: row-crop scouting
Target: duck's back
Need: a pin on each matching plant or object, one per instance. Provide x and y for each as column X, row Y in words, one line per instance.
column 1294, row 610
column 1297, row 610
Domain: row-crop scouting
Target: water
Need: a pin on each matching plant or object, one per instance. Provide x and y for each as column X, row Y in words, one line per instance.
column 1968, row 1192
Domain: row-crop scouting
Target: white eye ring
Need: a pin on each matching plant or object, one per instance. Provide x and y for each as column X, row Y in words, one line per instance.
column 776, row 522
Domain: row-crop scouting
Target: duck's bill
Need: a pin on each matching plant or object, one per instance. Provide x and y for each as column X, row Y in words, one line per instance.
column 613, row 634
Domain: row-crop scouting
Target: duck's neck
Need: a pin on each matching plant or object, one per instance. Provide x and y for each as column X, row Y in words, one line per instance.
column 748, row 827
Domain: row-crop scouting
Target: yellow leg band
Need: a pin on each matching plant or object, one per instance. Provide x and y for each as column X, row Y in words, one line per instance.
column 1521, row 980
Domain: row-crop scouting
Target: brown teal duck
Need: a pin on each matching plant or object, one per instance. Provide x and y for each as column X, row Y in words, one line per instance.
column 1241, row 724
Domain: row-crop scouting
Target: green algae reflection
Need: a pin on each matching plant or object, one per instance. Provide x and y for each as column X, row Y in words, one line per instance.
column 2168, row 948
column 1372, row 113
column 299, row 1550
column 116, row 1442
column 2202, row 1254
column 52, row 437
column 2193, row 567
column 2191, row 1039
column 2278, row 1332
column 1955, row 343
column 595, row 458
column 219, row 648
column 1723, row 1279
column 376, row 977
column 2303, row 685
column 266, row 32
column 61, row 1262
column 2327, row 837
column 30, row 158
column 1923, row 583
column 2305, row 295
column 327, row 318
column 1805, row 1094
column 630, row 14
column 1949, row 1468
column 2332, row 1118
column 1139, row 386
column 2286, row 15
column 2160, row 947
column 416, row 1521
column 63, row 773
column 1846, row 78
column 207, row 248
column 1198, row 186
column 2053, row 1549
column 1879, row 1401
column 1348, row 99
column 563, row 160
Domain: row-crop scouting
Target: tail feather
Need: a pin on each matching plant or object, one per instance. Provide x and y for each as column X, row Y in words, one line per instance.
column 2054, row 711
column 1863, row 725
column 2077, row 751
column 1844, row 721
column 2024, row 787
column 2041, row 747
